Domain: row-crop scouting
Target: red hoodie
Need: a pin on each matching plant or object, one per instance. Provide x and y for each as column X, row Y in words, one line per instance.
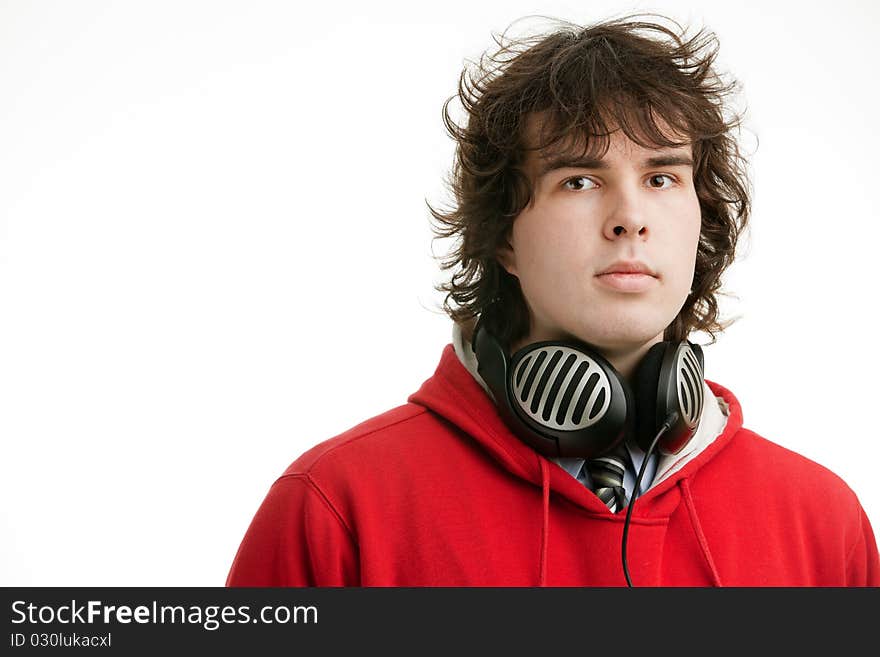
column 438, row 492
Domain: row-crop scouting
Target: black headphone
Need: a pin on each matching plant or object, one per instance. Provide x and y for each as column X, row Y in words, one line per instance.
column 566, row 399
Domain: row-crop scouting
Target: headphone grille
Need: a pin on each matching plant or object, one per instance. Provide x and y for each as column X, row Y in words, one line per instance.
column 561, row 388
column 690, row 386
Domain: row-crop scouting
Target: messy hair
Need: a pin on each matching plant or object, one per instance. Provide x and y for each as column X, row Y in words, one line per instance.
column 584, row 83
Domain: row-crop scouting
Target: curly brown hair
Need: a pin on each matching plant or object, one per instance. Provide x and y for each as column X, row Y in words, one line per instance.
column 581, row 81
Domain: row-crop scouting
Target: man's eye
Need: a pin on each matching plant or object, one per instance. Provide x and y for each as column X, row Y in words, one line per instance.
column 576, row 183
column 660, row 175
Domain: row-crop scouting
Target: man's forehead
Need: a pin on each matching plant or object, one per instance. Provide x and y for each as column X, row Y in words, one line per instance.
column 576, row 149
column 625, row 146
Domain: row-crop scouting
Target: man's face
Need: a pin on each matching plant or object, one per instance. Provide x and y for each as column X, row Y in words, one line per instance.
column 585, row 218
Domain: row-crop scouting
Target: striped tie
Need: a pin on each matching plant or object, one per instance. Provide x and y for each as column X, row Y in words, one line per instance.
column 607, row 474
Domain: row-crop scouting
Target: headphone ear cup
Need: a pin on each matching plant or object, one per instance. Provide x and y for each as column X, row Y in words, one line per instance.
column 645, row 390
column 579, row 406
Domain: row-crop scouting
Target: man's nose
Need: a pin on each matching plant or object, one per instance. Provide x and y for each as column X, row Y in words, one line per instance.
column 627, row 217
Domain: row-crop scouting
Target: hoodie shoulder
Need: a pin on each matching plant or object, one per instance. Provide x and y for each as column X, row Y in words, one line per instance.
column 784, row 459
column 776, row 468
column 383, row 424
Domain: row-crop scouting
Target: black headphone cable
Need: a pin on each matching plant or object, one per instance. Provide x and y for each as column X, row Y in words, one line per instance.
column 670, row 420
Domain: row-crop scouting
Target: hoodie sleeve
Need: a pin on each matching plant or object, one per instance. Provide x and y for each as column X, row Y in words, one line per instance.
column 863, row 563
column 296, row 538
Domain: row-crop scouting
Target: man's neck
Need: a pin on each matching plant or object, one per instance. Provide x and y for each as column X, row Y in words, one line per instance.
column 625, row 358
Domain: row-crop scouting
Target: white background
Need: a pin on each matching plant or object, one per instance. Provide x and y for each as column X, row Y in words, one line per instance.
column 215, row 252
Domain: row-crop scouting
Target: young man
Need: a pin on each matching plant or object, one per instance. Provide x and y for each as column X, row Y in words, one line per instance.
column 600, row 196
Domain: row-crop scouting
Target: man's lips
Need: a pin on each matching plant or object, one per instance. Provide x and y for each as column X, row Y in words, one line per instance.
column 627, row 282
column 628, row 267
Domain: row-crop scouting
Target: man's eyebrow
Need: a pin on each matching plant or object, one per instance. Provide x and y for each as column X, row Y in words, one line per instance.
column 553, row 163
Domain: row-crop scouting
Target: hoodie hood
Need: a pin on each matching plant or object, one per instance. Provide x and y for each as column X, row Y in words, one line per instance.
column 457, row 396
column 712, row 420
